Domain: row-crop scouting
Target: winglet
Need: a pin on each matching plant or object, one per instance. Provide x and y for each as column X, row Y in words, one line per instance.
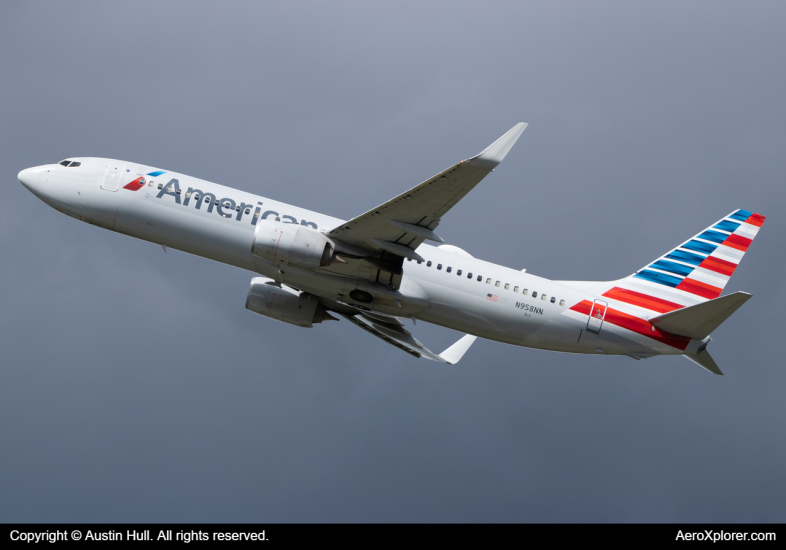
column 454, row 353
column 494, row 153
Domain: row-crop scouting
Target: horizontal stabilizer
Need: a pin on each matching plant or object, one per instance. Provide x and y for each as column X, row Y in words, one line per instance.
column 700, row 320
column 705, row 361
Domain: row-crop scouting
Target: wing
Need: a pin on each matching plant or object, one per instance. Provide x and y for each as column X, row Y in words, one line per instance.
column 400, row 225
column 392, row 331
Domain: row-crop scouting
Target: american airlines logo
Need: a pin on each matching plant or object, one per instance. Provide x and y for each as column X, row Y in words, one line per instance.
column 135, row 185
column 225, row 207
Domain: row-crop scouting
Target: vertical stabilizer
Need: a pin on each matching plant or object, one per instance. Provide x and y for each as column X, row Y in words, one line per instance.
column 695, row 271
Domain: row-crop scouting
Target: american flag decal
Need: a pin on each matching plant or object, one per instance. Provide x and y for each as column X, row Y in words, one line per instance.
column 492, row 297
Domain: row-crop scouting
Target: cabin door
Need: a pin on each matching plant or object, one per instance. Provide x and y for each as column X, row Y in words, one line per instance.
column 113, row 174
column 596, row 316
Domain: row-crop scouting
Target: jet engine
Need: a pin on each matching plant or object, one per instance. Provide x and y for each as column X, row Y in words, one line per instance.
column 281, row 303
column 292, row 244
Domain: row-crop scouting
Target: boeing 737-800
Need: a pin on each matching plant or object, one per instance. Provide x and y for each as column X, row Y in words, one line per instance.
column 375, row 270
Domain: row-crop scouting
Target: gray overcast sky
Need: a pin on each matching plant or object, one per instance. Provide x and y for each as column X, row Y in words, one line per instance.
column 135, row 386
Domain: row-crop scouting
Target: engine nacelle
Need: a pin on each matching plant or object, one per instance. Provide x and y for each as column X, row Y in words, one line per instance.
column 292, row 244
column 285, row 304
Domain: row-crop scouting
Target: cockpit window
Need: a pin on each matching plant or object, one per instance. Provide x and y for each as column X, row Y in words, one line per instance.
column 70, row 164
column 66, row 162
column 75, row 164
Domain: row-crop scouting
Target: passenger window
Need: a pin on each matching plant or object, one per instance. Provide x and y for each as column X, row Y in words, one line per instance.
column 488, row 281
column 439, row 266
column 176, row 192
column 188, row 194
column 496, row 284
column 428, row 263
column 160, row 185
column 419, row 262
column 553, row 299
column 534, row 293
column 515, row 289
column 458, row 272
column 542, row 296
column 248, row 211
column 469, row 275
column 409, row 259
column 480, row 278
column 507, row 286
column 152, row 183
column 237, row 209
column 448, row 269
column 207, row 199
column 562, row 302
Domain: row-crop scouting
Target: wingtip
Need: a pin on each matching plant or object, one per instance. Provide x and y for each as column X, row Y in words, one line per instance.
column 492, row 155
column 454, row 353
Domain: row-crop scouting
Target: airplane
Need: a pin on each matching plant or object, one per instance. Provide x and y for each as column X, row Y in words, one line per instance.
column 376, row 270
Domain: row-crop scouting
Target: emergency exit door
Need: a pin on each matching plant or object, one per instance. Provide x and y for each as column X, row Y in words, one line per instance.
column 596, row 316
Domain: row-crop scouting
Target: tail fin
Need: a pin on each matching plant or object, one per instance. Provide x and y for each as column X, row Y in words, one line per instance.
column 695, row 271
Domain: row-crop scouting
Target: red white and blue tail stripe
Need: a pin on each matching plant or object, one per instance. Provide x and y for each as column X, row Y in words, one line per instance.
column 695, row 271
column 692, row 273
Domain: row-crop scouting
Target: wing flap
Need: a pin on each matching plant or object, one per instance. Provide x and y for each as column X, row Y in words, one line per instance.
column 393, row 332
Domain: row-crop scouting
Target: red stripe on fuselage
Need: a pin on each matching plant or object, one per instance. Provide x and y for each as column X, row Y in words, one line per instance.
column 642, row 300
column 700, row 289
column 635, row 324
column 719, row 266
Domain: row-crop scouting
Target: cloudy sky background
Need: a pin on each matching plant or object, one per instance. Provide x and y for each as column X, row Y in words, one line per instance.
column 134, row 386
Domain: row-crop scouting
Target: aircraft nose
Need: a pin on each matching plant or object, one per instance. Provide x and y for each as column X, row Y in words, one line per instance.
column 29, row 178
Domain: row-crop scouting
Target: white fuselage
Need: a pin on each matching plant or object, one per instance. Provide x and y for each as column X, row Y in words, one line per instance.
column 497, row 303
